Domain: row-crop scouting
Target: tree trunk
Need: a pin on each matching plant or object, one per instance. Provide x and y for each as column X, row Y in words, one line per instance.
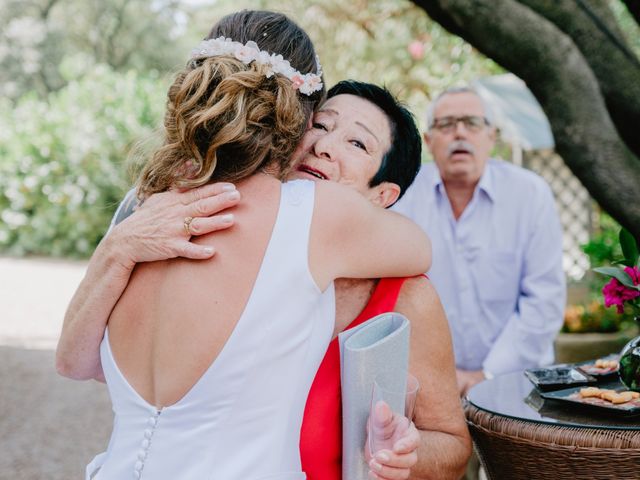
column 559, row 76
column 592, row 28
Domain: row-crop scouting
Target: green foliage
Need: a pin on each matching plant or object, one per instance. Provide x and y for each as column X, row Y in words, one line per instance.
column 71, row 106
column 612, row 249
column 595, row 317
column 629, row 248
column 616, row 273
column 603, row 247
column 624, row 275
column 62, row 159
column 39, row 34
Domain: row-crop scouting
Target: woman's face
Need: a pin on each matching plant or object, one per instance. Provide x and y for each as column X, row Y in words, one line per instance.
column 346, row 143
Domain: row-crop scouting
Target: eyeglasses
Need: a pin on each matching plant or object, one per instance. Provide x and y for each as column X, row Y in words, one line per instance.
column 473, row 123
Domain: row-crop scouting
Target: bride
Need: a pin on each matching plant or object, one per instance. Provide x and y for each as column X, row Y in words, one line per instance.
column 208, row 364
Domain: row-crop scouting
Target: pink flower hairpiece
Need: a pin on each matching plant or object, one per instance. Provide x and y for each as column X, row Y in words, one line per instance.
column 307, row 83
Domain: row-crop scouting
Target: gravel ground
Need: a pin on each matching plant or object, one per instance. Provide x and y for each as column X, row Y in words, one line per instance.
column 50, row 427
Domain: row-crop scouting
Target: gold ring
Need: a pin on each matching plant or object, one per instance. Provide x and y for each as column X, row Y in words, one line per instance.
column 187, row 225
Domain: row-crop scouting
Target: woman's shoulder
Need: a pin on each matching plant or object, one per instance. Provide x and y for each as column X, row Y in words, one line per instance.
column 338, row 200
column 417, row 295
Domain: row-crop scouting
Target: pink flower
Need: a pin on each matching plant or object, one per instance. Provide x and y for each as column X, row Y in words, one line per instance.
column 297, row 81
column 416, row 49
column 616, row 294
column 246, row 53
column 634, row 273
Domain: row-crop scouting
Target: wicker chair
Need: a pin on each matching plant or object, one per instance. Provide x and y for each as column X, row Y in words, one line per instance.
column 511, row 449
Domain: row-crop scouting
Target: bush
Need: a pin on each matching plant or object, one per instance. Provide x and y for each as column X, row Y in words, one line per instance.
column 63, row 161
column 603, row 249
column 595, row 317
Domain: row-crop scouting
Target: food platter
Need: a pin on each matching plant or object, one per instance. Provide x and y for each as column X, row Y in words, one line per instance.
column 573, row 397
column 602, row 368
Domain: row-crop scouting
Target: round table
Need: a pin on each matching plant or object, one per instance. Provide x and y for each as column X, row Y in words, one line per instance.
column 519, row 435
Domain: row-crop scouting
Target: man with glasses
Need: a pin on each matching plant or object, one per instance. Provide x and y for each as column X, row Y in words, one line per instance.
column 497, row 243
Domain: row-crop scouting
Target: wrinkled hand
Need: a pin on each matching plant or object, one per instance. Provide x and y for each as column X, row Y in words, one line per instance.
column 155, row 231
column 399, row 431
column 467, row 379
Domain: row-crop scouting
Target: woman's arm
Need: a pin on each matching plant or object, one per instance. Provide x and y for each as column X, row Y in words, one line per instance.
column 154, row 232
column 441, row 446
column 445, row 443
column 353, row 238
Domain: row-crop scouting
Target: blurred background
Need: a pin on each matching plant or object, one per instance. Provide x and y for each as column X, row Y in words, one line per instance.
column 82, row 94
column 84, row 81
column 83, row 84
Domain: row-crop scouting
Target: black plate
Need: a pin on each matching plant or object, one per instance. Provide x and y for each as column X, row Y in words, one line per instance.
column 598, row 374
column 558, row 376
column 572, row 396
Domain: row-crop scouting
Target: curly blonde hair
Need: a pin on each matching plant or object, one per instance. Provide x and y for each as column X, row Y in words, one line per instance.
column 227, row 118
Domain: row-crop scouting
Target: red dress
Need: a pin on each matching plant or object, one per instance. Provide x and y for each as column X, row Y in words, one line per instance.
column 321, row 433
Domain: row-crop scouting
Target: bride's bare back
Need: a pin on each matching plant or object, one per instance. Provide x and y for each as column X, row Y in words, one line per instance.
column 175, row 316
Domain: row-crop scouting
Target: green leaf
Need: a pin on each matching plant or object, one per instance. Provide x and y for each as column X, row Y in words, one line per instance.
column 629, row 247
column 622, row 276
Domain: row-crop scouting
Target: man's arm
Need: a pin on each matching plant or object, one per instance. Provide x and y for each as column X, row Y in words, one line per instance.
column 467, row 379
column 155, row 232
column 445, row 444
column 528, row 335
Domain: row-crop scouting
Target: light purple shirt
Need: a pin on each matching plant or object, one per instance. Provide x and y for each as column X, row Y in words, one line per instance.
column 498, row 268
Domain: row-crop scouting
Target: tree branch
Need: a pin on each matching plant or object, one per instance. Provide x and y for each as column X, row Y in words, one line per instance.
column 611, row 60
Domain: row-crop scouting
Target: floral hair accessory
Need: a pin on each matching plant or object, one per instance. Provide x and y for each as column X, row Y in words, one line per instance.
column 249, row 52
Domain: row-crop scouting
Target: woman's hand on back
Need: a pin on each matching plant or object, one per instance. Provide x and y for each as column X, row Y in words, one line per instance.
column 156, row 230
column 163, row 226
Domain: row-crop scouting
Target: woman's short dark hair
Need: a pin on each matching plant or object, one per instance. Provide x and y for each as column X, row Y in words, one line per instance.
column 400, row 164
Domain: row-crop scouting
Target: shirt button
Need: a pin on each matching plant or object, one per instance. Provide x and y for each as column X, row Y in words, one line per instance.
column 148, row 433
column 142, row 455
column 138, row 466
column 145, row 443
column 136, row 474
column 153, row 421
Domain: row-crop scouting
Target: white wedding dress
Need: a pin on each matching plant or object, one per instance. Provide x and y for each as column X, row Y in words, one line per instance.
column 241, row 420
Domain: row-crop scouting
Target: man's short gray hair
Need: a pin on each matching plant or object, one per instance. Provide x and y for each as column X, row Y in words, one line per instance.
column 488, row 113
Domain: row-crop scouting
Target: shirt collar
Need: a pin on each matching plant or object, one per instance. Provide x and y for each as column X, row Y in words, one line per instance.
column 486, row 183
column 436, row 180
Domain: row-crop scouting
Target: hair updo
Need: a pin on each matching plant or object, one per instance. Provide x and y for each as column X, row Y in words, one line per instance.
column 227, row 118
